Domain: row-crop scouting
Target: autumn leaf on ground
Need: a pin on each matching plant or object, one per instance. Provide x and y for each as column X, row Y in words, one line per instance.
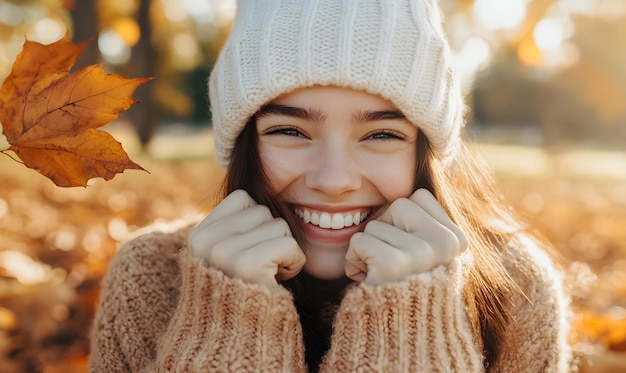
column 49, row 115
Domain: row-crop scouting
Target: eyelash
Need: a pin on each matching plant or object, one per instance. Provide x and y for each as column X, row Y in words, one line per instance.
column 286, row 131
column 384, row 135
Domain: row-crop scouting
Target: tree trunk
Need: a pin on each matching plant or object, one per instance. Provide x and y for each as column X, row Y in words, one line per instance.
column 85, row 27
column 143, row 64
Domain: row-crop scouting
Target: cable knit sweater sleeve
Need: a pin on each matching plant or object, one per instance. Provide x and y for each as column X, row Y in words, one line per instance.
column 422, row 325
column 539, row 329
column 419, row 325
column 163, row 310
column 225, row 325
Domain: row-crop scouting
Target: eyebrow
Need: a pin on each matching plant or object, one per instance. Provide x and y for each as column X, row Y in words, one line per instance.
column 363, row 116
column 313, row 115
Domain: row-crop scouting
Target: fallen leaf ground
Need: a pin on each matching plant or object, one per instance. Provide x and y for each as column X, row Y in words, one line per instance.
column 55, row 244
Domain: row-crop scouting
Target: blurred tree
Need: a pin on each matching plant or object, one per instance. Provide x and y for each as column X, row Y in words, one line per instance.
column 593, row 103
column 143, row 63
column 583, row 101
column 580, row 102
column 504, row 94
column 85, row 27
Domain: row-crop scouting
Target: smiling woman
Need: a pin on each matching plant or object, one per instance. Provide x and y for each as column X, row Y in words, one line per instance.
column 355, row 231
column 335, row 162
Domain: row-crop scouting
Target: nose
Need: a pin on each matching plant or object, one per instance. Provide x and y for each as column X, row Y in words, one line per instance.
column 334, row 171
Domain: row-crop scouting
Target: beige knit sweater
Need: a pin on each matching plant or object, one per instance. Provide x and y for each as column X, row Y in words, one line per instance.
column 162, row 310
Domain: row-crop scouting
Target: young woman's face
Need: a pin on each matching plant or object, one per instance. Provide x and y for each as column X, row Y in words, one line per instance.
column 337, row 157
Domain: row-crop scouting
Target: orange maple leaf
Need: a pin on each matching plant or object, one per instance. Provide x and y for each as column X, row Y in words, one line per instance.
column 49, row 115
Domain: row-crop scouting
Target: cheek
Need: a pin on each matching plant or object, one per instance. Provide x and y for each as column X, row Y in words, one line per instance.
column 394, row 177
column 281, row 167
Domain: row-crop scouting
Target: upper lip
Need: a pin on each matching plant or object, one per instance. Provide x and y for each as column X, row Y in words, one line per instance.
column 332, row 209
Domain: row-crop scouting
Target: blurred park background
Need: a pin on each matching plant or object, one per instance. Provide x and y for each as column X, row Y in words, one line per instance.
column 545, row 81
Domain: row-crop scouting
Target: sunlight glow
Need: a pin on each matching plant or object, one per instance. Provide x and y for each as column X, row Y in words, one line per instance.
column 123, row 7
column 552, row 45
column 186, row 54
column 174, row 11
column 609, row 9
column 225, row 10
column 128, row 29
column 8, row 319
column 64, row 239
column 200, row 10
column 11, row 15
column 473, row 57
column 47, row 30
column 500, row 14
column 548, row 34
column 529, row 53
column 113, row 47
column 218, row 12
column 92, row 241
column 24, row 268
column 118, row 229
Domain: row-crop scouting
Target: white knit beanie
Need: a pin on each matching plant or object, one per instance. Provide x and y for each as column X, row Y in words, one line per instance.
column 393, row 48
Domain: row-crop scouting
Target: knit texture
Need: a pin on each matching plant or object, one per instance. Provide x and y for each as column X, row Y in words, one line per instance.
column 395, row 49
column 162, row 310
column 419, row 325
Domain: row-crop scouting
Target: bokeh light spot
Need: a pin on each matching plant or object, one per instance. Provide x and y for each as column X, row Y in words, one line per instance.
column 47, row 30
column 24, row 268
column 200, row 10
column 186, row 52
column 127, row 29
column 65, row 239
column 113, row 47
column 500, row 14
column 11, row 15
column 118, row 229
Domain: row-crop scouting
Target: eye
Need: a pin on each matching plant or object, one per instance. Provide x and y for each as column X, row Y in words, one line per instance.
column 285, row 131
column 385, row 135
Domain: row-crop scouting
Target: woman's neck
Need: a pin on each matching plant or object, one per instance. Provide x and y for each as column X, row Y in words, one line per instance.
column 323, row 290
column 317, row 302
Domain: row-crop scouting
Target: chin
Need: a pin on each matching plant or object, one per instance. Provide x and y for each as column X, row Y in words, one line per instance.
column 325, row 266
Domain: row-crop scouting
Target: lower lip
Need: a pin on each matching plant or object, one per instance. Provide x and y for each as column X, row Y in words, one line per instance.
column 330, row 235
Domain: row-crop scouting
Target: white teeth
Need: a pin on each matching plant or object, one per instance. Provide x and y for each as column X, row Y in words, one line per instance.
column 331, row 221
column 325, row 220
column 338, row 221
column 315, row 219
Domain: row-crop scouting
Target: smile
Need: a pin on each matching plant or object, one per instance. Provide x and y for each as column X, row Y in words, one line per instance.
column 329, row 220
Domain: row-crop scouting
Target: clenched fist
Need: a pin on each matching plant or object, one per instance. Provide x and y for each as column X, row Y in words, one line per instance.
column 242, row 239
column 413, row 235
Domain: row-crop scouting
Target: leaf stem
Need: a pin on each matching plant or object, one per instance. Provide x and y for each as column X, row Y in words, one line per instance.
column 4, row 151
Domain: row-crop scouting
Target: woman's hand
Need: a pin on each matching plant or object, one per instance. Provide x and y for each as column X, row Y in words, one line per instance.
column 413, row 235
column 242, row 239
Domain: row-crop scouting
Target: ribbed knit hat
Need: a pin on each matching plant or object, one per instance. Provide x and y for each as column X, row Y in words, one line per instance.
column 393, row 48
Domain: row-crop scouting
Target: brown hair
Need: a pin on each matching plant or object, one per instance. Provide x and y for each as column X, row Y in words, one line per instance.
column 465, row 189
